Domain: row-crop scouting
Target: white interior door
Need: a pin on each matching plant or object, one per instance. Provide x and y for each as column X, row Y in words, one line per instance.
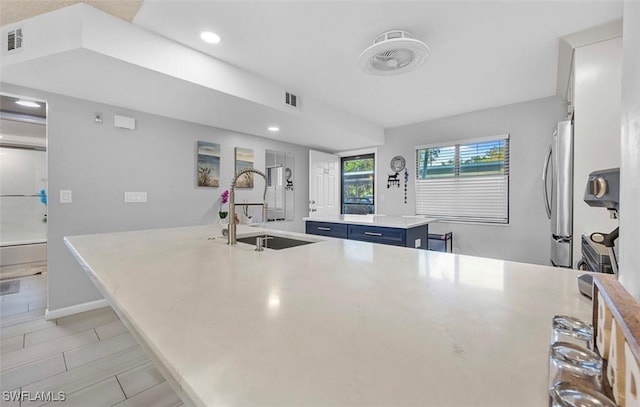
column 324, row 184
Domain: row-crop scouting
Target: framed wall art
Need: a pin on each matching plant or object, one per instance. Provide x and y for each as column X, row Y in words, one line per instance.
column 208, row 172
column 244, row 159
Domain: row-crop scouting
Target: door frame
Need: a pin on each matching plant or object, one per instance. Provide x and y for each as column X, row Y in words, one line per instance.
column 364, row 151
column 32, row 252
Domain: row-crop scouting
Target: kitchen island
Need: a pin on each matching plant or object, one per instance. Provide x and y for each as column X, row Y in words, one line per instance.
column 332, row 323
column 406, row 231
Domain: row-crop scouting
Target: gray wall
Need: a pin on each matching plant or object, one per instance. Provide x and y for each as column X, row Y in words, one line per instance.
column 530, row 125
column 630, row 142
column 99, row 163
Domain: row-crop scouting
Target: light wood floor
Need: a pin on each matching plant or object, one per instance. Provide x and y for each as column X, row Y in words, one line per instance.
column 91, row 357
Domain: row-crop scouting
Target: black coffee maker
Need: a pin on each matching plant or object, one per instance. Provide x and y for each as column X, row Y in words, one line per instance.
column 603, row 191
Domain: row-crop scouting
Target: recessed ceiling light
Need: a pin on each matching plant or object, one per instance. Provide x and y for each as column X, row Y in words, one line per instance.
column 27, row 103
column 210, row 37
column 273, row 128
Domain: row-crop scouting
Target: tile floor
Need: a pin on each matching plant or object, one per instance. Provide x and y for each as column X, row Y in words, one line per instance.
column 91, row 357
column 16, row 271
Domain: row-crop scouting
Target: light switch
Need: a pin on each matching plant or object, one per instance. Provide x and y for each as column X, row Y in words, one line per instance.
column 135, row 197
column 65, row 196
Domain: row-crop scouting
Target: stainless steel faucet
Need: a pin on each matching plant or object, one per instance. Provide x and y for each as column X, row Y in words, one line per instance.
column 231, row 236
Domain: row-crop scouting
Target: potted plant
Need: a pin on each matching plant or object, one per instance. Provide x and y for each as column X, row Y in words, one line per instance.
column 224, row 198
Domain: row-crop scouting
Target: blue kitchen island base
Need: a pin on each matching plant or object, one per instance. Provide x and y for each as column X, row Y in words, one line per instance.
column 410, row 232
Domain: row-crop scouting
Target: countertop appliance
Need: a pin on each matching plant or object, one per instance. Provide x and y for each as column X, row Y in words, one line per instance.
column 557, row 178
column 603, row 190
column 595, row 256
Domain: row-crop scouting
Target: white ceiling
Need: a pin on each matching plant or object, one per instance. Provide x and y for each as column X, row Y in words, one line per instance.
column 483, row 54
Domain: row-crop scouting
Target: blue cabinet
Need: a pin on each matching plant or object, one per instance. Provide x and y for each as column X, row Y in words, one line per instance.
column 415, row 237
column 375, row 234
column 327, row 229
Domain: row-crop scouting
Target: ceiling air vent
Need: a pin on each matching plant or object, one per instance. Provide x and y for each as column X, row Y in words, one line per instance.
column 291, row 100
column 14, row 39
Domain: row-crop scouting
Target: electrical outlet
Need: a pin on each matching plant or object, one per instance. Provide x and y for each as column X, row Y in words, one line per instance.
column 418, row 243
column 135, row 197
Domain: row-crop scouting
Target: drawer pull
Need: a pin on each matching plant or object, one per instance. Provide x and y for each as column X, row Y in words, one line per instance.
column 373, row 234
column 324, row 228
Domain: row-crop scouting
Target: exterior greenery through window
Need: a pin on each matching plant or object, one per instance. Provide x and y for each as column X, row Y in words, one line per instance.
column 358, row 184
column 465, row 181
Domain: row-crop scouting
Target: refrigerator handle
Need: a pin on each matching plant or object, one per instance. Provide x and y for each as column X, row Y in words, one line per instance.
column 545, row 171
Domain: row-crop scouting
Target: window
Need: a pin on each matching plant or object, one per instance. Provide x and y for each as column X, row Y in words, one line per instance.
column 465, row 181
column 357, row 184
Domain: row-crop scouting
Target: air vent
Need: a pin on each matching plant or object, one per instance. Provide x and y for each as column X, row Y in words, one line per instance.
column 14, row 39
column 290, row 99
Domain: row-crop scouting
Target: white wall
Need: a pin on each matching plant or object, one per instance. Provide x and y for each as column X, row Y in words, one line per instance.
column 98, row 163
column 630, row 167
column 598, row 73
column 530, row 125
column 79, row 44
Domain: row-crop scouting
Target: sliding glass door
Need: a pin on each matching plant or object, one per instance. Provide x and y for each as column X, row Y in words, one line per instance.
column 23, row 210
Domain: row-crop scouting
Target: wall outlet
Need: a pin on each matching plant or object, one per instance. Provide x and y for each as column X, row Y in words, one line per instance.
column 418, row 243
column 135, row 197
column 65, row 196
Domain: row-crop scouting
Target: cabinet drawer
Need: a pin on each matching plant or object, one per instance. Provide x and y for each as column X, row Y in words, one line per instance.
column 326, row 229
column 391, row 236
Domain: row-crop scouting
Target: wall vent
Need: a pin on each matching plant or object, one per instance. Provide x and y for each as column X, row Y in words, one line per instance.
column 291, row 100
column 14, row 39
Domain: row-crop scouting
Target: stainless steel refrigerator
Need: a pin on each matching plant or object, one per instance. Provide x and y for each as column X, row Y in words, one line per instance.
column 557, row 177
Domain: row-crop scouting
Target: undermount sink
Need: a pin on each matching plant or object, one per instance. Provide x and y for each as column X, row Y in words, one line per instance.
column 275, row 242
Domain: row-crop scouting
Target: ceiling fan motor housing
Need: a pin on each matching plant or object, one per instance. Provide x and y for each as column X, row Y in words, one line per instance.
column 392, row 53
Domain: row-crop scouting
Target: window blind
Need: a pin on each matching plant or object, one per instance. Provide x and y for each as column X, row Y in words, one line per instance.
column 466, row 181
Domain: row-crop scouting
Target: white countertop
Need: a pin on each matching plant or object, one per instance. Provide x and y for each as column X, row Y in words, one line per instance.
column 401, row 222
column 334, row 323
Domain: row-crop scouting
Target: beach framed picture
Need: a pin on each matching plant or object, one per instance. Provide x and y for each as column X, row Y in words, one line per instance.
column 208, row 172
column 244, row 159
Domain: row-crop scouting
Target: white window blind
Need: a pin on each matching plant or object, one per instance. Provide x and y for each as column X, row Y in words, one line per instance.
column 466, row 181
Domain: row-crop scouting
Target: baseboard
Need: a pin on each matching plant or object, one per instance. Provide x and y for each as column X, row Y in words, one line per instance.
column 26, row 253
column 74, row 309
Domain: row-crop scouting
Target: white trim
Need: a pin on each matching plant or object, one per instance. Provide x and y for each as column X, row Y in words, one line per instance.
column 451, row 143
column 23, row 253
column 461, row 222
column 74, row 309
column 362, row 151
